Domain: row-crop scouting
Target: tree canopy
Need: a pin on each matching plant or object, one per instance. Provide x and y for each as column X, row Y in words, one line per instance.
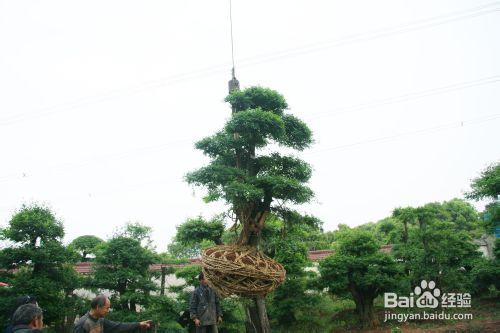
column 244, row 174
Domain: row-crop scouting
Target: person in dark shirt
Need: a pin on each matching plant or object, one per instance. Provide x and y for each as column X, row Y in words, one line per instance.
column 205, row 308
column 28, row 318
column 94, row 321
column 18, row 302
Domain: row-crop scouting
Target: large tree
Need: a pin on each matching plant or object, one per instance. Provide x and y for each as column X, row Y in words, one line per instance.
column 43, row 264
column 359, row 268
column 122, row 266
column 248, row 172
column 439, row 244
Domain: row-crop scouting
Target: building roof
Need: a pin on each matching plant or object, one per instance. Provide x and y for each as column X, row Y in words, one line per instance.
column 322, row 254
column 318, row 255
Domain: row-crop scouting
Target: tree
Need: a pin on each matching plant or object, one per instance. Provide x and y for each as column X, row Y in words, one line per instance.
column 407, row 217
column 243, row 173
column 85, row 245
column 43, row 263
column 359, row 269
column 137, row 231
column 439, row 246
column 195, row 234
column 294, row 307
column 487, row 186
column 122, row 266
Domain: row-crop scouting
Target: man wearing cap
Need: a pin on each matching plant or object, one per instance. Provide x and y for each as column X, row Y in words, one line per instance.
column 205, row 308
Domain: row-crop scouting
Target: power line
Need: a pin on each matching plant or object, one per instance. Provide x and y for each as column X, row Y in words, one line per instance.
column 407, row 97
column 232, row 39
column 389, row 138
column 259, row 59
column 437, row 128
column 376, row 34
column 335, row 112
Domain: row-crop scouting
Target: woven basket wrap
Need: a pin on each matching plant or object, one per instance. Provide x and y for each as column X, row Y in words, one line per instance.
column 241, row 270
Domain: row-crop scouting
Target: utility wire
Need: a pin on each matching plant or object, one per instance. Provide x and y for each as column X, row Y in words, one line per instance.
column 232, row 39
column 437, row 128
column 433, row 129
column 335, row 112
column 259, row 59
column 406, row 97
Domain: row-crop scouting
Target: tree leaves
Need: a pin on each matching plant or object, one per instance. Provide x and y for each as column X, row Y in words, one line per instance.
column 239, row 172
column 253, row 97
column 487, row 185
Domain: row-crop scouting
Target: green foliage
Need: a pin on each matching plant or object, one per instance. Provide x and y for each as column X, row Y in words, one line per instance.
column 85, row 245
column 32, row 223
column 292, row 306
column 359, row 269
column 197, row 229
column 258, row 97
column 137, row 231
column 196, row 234
column 43, row 263
column 122, row 266
column 389, row 231
column 486, row 276
column 487, row 185
column 189, row 274
column 440, row 246
column 243, row 174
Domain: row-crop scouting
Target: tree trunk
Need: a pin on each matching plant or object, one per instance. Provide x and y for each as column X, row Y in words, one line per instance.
column 256, row 313
column 163, row 276
column 364, row 308
column 405, row 234
column 257, row 320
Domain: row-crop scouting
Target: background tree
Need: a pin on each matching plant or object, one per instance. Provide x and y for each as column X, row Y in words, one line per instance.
column 294, row 306
column 246, row 174
column 85, row 245
column 358, row 268
column 487, row 186
column 139, row 231
column 439, row 245
column 122, row 266
column 43, row 264
column 194, row 235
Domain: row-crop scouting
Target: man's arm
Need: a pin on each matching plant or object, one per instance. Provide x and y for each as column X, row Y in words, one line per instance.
column 115, row 327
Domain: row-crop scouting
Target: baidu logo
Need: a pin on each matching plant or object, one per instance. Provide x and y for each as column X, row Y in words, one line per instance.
column 427, row 295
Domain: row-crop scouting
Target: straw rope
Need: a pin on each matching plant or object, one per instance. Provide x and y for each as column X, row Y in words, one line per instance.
column 241, row 270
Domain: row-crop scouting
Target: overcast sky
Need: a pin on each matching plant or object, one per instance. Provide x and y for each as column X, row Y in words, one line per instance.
column 102, row 101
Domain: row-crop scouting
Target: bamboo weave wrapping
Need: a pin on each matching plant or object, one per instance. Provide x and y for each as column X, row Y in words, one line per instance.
column 241, row 270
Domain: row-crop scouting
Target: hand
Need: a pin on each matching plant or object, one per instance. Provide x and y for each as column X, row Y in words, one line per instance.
column 145, row 324
column 197, row 322
column 219, row 319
